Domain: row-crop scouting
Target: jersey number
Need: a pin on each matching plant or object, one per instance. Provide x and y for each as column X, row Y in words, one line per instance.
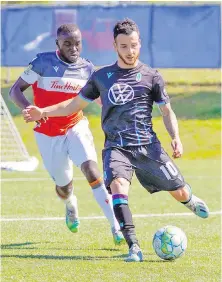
column 169, row 170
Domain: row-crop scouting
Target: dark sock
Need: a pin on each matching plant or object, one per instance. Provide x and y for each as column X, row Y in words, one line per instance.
column 124, row 217
column 190, row 194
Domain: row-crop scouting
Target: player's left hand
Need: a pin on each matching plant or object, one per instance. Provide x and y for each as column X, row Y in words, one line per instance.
column 177, row 148
column 33, row 113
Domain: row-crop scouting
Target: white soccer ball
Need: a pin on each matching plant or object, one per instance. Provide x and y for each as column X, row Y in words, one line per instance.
column 169, row 242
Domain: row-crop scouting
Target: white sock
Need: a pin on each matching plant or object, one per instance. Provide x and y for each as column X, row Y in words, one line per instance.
column 71, row 204
column 104, row 199
column 190, row 204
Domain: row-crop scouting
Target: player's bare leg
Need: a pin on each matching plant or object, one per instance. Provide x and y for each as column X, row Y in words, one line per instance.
column 196, row 205
column 103, row 198
column 66, row 194
column 120, row 188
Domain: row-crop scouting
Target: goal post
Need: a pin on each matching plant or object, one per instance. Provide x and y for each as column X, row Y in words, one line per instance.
column 14, row 155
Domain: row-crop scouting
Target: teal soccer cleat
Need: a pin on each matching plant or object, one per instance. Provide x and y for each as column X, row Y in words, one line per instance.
column 71, row 221
column 135, row 254
column 198, row 207
column 118, row 237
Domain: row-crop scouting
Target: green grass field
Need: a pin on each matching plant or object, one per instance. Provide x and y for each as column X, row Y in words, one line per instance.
column 35, row 248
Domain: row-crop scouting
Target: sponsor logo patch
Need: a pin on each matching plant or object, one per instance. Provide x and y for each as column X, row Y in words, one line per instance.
column 68, row 86
column 120, row 93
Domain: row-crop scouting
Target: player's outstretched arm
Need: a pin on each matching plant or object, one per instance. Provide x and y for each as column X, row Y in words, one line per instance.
column 33, row 113
column 16, row 93
column 171, row 124
column 98, row 102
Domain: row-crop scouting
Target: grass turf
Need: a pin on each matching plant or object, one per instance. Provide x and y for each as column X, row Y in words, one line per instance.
column 45, row 250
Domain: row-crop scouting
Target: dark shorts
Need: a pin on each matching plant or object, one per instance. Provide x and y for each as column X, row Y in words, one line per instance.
column 153, row 167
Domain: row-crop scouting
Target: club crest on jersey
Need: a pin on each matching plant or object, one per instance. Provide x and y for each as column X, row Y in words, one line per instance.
column 120, row 94
column 55, row 68
column 138, row 77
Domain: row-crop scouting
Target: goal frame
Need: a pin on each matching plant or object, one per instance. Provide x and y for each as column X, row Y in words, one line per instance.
column 25, row 162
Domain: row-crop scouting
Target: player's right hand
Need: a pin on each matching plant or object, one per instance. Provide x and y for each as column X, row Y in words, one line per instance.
column 32, row 113
column 177, row 148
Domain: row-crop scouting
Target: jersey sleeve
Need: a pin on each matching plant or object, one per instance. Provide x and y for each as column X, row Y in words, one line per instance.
column 33, row 71
column 92, row 68
column 90, row 91
column 159, row 93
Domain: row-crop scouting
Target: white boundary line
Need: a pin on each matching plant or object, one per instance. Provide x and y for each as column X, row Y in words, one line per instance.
column 83, row 178
column 103, row 217
column 35, row 179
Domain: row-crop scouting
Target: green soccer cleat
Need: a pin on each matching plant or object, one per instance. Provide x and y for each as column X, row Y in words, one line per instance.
column 135, row 254
column 71, row 221
column 118, row 237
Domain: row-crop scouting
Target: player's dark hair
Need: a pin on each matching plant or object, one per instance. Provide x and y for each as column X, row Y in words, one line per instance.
column 126, row 26
column 67, row 28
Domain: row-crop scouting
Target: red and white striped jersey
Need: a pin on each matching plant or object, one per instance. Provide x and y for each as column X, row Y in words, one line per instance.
column 54, row 81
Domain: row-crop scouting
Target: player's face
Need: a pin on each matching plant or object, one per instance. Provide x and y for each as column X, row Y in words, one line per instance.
column 128, row 49
column 70, row 46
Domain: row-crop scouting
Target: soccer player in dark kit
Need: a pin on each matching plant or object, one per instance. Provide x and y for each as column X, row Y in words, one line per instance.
column 128, row 89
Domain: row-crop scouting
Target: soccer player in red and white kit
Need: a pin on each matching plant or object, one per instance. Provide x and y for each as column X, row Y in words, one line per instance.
column 55, row 77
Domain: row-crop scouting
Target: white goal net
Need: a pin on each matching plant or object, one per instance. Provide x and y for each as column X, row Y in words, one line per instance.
column 14, row 155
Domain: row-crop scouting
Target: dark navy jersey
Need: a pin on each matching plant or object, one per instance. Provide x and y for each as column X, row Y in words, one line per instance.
column 127, row 97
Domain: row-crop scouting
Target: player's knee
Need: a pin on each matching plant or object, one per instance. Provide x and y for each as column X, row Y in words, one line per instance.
column 90, row 170
column 64, row 192
column 182, row 194
column 185, row 190
column 120, row 186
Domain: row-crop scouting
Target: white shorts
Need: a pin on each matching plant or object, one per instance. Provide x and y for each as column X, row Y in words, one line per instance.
column 59, row 152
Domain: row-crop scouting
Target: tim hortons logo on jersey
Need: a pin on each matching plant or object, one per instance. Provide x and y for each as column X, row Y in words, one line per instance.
column 68, row 86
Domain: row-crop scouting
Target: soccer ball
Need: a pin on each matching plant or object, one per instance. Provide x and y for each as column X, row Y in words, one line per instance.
column 169, row 242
